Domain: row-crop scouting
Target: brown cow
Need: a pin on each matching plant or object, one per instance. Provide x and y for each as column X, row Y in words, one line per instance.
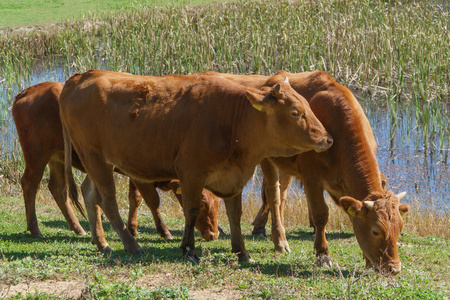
column 348, row 171
column 36, row 115
column 200, row 129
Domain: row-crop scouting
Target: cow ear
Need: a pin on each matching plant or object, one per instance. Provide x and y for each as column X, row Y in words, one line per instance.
column 352, row 206
column 277, row 91
column 384, row 181
column 255, row 99
column 403, row 208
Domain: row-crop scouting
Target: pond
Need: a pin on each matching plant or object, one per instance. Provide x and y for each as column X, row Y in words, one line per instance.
column 421, row 171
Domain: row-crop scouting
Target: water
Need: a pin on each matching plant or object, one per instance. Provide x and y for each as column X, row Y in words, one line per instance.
column 409, row 166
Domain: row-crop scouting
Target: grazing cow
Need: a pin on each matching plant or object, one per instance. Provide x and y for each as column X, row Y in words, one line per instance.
column 205, row 130
column 36, row 115
column 348, row 171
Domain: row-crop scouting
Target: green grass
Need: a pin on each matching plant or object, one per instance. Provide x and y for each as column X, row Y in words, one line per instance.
column 63, row 257
column 31, row 12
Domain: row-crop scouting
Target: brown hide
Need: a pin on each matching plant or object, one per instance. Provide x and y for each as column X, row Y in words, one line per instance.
column 348, row 168
column 36, row 116
column 200, row 129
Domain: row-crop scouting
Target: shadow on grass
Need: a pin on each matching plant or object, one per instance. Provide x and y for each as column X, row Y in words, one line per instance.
column 156, row 249
column 298, row 270
column 308, row 235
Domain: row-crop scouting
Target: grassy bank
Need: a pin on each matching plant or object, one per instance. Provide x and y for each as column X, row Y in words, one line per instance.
column 68, row 266
column 28, row 12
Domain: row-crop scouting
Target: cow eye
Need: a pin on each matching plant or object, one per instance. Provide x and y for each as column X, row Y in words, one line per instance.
column 295, row 113
column 375, row 233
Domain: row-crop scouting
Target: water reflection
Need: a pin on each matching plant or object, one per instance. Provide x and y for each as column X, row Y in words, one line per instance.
column 409, row 166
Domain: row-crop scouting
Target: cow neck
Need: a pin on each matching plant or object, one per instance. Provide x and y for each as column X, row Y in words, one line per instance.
column 250, row 135
column 249, row 126
column 360, row 165
column 347, row 124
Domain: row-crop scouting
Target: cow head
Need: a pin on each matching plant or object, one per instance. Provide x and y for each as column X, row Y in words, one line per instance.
column 291, row 121
column 207, row 223
column 377, row 223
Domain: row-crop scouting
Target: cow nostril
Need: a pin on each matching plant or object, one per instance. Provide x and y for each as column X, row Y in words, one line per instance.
column 394, row 270
column 329, row 141
column 211, row 236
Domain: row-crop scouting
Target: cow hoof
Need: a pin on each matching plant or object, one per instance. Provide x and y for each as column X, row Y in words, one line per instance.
column 245, row 258
column 324, row 262
column 259, row 232
column 190, row 255
column 138, row 252
column 260, row 236
column 283, row 247
column 221, row 231
column 80, row 232
column 106, row 250
column 167, row 236
column 192, row 258
column 37, row 236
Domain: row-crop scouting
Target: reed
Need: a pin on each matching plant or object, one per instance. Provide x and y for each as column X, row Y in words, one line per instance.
column 396, row 52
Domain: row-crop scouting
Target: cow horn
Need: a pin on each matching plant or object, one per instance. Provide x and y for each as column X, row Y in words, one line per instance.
column 401, row 196
column 369, row 204
column 286, row 79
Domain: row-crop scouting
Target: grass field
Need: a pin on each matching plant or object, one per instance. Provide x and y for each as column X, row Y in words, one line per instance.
column 64, row 266
column 31, row 12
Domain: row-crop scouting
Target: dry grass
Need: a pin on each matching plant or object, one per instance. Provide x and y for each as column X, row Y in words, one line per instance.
column 422, row 220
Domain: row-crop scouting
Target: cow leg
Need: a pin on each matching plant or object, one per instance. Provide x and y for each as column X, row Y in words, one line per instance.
column 311, row 222
column 152, row 199
column 272, row 192
column 134, row 200
column 259, row 224
column 319, row 212
column 102, row 176
column 192, row 200
column 234, row 212
column 56, row 186
column 92, row 200
column 285, row 180
column 36, row 158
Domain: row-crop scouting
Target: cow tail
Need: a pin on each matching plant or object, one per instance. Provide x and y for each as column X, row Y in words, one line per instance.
column 71, row 187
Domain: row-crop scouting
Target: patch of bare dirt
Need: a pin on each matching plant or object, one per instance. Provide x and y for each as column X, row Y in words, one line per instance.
column 66, row 289
column 74, row 289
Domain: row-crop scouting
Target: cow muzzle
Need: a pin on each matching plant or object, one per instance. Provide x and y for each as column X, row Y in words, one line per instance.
column 325, row 144
column 210, row 236
column 393, row 268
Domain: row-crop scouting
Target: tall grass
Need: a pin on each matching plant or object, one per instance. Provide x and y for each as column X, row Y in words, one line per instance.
column 395, row 51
